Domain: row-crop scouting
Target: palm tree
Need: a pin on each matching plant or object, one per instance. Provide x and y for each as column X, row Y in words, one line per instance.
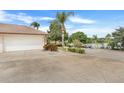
column 55, row 31
column 62, row 18
column 108, row 39
column 95, row 39
column 35, row 25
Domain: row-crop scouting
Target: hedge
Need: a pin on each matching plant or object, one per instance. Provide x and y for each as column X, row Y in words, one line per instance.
column 77, row 50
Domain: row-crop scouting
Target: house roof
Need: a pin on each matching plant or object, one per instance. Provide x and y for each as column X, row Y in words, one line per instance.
column 19, row 29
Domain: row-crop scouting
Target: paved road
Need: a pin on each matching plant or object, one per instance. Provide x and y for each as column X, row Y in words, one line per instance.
column 104, row 53
column 51, row 67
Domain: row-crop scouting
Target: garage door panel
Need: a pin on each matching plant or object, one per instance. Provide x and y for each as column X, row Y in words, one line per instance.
column 23, row 42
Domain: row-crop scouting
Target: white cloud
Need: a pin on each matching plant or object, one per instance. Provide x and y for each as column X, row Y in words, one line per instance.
column 5, row 17
column 44, row 28
column 81, row 20
column 21, row 17
column 68, row 26
column 46, row 18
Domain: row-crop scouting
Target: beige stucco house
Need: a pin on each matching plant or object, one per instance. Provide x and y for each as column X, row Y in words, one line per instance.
column 18, row 37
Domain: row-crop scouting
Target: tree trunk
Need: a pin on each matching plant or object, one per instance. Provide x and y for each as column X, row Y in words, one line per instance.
column 37, row 28
column 96, row 44
column 55, row 41
column 63, row 30
column 63, row 40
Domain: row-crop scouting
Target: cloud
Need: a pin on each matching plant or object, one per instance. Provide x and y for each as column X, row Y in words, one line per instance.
column 68, row 26
column 46, row 18
column 44, row 28
column 21, row 17
column 81, row 20
column 5, row 17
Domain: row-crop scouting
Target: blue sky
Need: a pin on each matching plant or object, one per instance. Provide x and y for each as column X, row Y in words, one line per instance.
column 91, row 22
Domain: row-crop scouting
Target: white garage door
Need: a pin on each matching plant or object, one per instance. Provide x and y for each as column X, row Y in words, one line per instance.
column 23, row 42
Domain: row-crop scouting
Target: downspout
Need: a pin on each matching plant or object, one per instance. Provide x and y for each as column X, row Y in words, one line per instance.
column 63, row 30
column 45, row 39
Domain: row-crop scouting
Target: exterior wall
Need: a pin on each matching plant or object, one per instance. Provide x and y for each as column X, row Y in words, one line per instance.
column 1, row 44
column 14, row 42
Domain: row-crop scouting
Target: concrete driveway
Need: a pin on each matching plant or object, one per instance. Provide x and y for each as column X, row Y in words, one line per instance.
column 43, row 66
column 105, row 53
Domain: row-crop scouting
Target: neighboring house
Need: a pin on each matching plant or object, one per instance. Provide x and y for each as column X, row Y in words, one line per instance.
column 18, row 37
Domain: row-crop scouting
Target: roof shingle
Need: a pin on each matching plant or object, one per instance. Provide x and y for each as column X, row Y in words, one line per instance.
column 18, row 29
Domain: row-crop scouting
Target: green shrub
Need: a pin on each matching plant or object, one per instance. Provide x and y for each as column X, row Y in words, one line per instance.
column 77, row 43
column 70, row 45
column 122, row 49
column 112, row 44
column 59, row 45
column 65, row 48
column 71, row 49
column 50, row 47
column 80, row 50
column 77, row 50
